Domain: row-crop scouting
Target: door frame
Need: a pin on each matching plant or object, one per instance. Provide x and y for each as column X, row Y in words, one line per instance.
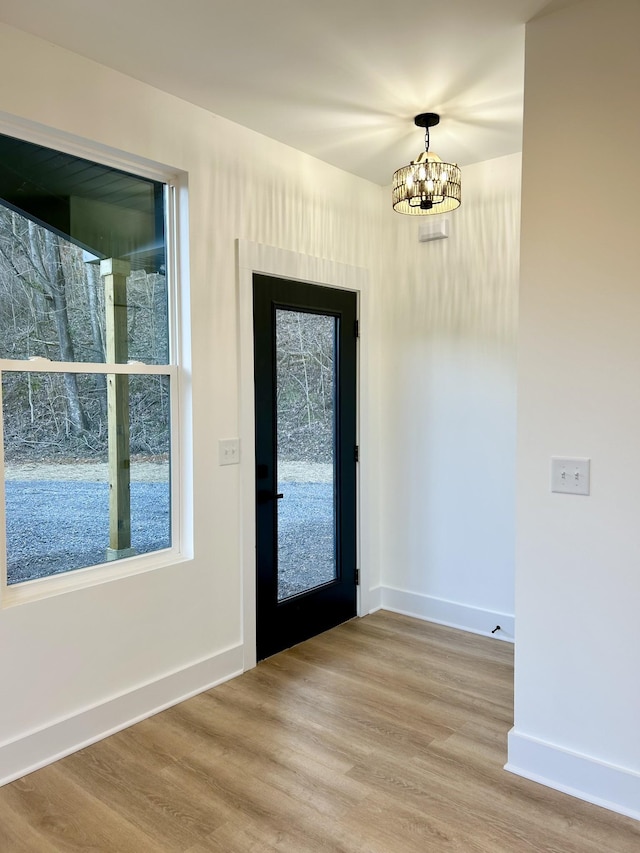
column 257, row 258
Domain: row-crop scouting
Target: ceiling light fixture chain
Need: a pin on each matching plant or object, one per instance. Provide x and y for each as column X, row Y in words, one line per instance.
column 426, row 185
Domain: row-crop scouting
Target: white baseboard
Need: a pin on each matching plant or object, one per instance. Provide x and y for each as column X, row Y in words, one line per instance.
column 450, row 613
column 582, row 776
column 36, row 749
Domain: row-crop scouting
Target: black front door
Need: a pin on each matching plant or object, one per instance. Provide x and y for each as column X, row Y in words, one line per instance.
column 305, row 404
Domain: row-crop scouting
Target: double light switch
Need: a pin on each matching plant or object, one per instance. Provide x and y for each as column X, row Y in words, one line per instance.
column 570, row 476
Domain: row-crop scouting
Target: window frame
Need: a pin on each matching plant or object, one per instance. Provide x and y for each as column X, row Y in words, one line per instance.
column 181, row 462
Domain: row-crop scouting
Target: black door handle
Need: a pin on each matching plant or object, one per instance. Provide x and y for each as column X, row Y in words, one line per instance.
column 264, row 496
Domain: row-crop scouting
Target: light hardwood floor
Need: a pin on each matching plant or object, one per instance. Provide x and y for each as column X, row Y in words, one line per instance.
column 386, row 734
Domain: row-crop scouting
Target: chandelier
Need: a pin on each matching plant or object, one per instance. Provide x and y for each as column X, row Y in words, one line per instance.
column 426, row 185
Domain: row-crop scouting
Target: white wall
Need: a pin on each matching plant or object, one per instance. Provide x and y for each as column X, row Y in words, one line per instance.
column 578, row 558
column 448, row 427
column 442, row 363
column 145, row 640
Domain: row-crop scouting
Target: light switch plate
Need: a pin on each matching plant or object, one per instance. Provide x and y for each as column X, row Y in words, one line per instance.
column 228, row 451
column 570, row 476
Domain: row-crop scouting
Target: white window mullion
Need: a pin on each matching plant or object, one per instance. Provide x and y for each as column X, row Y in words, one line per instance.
column 42, row 365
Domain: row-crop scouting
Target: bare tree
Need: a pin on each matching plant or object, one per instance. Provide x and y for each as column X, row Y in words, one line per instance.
column 52, row 305
column 305, row 386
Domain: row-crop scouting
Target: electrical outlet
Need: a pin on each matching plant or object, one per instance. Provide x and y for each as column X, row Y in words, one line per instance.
column 228, row 451
column 570, row 476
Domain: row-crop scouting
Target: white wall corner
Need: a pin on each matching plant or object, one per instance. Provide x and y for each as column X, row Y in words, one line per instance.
column 581, row 776
column 374, row 600
column 36, row 749
column 453, row 614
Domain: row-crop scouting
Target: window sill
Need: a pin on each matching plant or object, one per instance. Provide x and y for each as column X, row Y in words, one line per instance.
column 35, row 590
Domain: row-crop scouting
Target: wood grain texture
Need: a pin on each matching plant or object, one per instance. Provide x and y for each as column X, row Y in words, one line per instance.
column 385, row 735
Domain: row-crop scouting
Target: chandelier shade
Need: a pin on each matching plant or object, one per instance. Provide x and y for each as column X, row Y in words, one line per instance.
column 427, row 185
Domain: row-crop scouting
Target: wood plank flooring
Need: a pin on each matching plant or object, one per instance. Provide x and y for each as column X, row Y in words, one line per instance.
column 385, row 735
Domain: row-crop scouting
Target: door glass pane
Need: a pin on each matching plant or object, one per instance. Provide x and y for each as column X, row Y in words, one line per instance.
column 305, row 387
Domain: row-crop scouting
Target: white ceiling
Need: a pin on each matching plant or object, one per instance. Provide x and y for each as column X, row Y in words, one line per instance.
column 339, row 79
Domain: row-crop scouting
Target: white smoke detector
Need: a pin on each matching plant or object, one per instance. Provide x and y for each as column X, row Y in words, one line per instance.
column 433, row 230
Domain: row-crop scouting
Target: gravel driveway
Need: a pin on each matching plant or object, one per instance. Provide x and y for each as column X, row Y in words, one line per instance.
column 55, row 526
column 305, row 537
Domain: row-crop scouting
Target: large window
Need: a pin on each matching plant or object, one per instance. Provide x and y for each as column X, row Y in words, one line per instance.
column 87, row 366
